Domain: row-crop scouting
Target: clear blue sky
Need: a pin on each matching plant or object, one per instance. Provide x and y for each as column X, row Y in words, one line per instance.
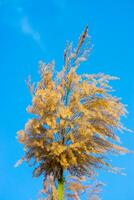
column 37, row 30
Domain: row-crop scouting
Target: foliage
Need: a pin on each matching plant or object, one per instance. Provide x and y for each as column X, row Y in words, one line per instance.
column 75, row 187
column 75, row 121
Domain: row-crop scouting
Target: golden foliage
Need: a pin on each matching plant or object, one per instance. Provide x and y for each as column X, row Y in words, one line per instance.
column 76, row 187
column 75, row 118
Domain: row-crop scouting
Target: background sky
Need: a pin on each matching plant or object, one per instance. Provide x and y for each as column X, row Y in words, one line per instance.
column 31, row 31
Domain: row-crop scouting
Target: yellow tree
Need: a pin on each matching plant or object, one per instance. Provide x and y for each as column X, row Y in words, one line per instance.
column 75, row 121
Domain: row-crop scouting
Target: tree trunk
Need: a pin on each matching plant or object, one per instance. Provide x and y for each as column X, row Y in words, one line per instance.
column 61, row 186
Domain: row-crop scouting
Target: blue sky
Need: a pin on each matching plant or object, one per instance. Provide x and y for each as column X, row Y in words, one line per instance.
column 37, row 30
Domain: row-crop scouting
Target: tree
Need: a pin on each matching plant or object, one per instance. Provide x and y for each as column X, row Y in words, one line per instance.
column 75, row 122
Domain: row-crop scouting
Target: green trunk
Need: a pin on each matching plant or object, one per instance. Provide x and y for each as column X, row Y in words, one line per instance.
column 60, row 189
column 61, row 186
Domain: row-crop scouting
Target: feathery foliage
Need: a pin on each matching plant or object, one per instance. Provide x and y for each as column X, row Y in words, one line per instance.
column 75, row 121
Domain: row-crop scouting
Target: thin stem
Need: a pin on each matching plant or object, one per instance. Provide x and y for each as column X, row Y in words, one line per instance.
column 61, row 179
column 66, row 100
column 61, row 186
